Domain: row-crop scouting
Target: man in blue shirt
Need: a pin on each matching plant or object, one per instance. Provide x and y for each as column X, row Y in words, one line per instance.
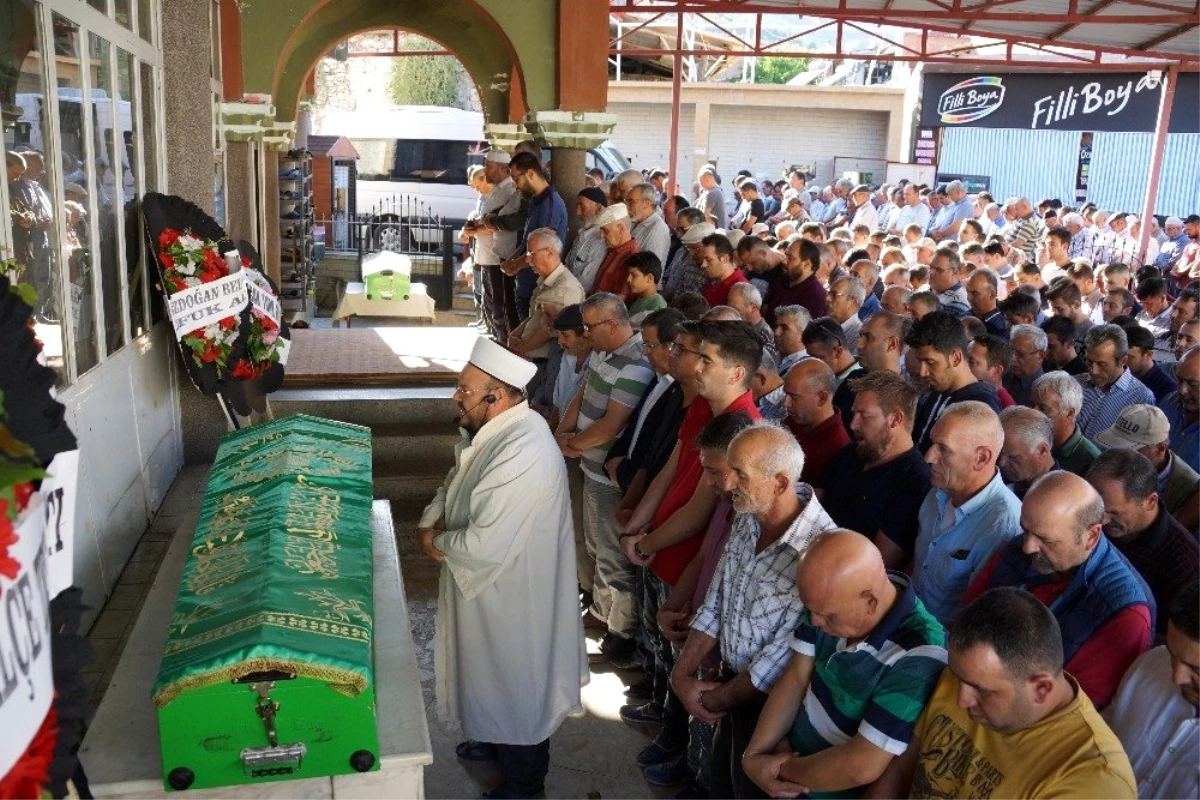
column 1182, row 408
column 957, row 209
column 546, row 210
column 968, row 514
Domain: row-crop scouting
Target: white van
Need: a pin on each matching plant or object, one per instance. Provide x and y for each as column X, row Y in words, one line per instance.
column 422, row 153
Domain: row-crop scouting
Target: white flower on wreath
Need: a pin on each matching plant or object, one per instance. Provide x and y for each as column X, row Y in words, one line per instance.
column 185, row 267
column 190, row 242
column 192, row 282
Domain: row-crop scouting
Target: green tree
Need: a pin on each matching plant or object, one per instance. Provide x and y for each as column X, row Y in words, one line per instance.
column 427, row 80
column 778, row 69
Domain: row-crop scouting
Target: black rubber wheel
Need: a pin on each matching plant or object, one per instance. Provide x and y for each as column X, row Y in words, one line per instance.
column 181, row 778
column 362, row 760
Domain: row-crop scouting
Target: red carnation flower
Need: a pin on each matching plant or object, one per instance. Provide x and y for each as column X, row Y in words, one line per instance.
column 22, row 492
column 167, row 260
column 167, row 238
column 9, row 566
column 228, row 323
column 210, row 354
column 214, row 261
column 246, row 262
column 244, row 370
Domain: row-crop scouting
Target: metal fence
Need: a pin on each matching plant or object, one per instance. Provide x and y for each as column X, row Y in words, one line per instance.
column 403, row 225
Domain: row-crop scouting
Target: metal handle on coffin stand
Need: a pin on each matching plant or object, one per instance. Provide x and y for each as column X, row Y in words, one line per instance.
column 274, row 759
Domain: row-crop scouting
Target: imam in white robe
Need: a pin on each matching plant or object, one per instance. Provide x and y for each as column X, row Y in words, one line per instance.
column 510, row 657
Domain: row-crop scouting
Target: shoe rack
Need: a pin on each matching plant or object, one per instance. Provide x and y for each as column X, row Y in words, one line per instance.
column 297, row 246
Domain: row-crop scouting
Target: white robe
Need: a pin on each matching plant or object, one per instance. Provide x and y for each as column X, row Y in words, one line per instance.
column 510, row 656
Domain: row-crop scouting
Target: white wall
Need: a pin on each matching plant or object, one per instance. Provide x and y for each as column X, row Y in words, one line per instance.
column 643, row 134
column 125, row 415
column 761, row 128
column 764, row 143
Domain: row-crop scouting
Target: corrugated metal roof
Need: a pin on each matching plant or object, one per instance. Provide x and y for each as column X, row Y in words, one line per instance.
column 1166, row 29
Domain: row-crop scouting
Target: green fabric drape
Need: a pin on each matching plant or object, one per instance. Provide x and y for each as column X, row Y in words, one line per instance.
column 279, row 576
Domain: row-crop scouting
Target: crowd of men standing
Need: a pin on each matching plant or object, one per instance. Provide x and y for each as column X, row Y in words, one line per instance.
column 885, row 491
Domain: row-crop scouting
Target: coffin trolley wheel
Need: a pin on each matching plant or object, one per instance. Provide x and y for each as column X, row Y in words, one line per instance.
column 362, row 760
column 181, row 778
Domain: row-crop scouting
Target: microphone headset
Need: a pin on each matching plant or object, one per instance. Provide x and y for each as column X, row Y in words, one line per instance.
column 488, row 398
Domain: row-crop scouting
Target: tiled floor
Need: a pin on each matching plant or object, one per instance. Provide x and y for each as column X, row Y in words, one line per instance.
column 591, row 756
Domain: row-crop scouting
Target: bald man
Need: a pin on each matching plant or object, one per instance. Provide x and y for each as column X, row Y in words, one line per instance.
column 880, row 654
column 1105, row 609
column 808, row 397
column 968, row 513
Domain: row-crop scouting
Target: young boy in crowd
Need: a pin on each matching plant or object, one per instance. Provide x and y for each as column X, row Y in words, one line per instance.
column 645, row 271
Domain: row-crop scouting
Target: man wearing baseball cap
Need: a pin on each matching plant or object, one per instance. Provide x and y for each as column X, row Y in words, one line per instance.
column 1145, row 428
column 1162, row 551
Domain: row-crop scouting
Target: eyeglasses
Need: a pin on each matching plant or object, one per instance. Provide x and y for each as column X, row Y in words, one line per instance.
column 468, row 392
column 590, row 327
column 676, row 347
column 650, row 348
column 532, row 253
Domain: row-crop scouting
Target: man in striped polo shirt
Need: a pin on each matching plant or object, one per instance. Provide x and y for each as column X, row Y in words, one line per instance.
column 615, row 382
column 867, row 657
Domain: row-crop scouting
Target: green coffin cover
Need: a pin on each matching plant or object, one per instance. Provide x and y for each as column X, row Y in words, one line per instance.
column 280, row 571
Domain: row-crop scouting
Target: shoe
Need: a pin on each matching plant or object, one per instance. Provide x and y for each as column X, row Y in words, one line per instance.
column 643, row 688
column 654, row 754
column 471, row 750
column 293, row 214
column 672, row 773
column 692, row 791
column 290, row 174
column 616, row 650
column 645, row 714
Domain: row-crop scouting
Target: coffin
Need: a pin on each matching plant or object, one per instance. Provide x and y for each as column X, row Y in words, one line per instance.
column 267, row 673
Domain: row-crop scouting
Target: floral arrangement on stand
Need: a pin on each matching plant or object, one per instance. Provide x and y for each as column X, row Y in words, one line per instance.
column 189, row 261
column 33, row 431
column 263, row 347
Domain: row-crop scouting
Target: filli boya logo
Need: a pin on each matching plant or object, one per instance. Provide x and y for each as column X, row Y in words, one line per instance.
column 970, row 100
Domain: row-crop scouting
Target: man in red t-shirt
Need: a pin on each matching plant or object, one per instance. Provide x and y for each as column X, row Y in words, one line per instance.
column 1063, row 559
column 664, row 532
column 812, row 419
column 667, row 528
column 720, row 265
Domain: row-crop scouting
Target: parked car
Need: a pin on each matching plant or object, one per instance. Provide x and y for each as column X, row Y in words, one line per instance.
column 422, row 153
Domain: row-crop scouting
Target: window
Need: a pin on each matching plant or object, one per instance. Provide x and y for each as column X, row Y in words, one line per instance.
column 81, row 156
column 433, row 161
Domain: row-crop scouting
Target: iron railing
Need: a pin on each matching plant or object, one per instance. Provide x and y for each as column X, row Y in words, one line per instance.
column 405, row 225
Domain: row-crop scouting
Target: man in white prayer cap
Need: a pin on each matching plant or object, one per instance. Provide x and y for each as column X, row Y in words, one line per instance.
column 510, row 658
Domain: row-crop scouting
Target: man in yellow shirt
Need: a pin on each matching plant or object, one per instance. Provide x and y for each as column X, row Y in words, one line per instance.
column 1005, row 720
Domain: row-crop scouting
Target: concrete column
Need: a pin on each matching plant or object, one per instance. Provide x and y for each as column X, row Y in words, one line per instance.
column 271, row 240
column 241, row 217
column 567, row 167
column 303, row 126
column 186, row 35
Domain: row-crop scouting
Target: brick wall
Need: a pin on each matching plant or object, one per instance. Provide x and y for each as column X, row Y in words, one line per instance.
column 643, row 134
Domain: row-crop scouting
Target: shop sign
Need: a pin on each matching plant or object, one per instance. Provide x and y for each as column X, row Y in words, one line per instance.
column 925, row 146
column 1125, row 101
column 1084, row 169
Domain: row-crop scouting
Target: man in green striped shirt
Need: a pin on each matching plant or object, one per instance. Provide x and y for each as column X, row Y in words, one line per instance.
column 867, row 657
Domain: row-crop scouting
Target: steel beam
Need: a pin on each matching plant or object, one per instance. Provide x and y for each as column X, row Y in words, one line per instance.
column 1156, row 157
column 676, row 94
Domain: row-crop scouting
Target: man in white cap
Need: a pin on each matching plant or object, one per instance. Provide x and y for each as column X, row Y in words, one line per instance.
column 510, row 658
column 1172, row 249
column 494, row 245
column 617, row 230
